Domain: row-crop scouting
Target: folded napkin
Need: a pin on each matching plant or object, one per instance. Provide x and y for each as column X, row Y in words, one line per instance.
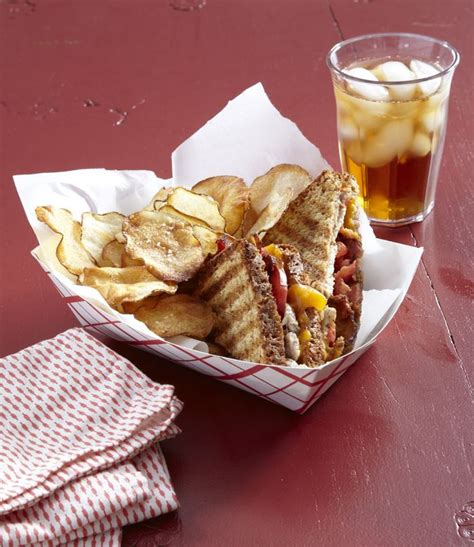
column 78, row 453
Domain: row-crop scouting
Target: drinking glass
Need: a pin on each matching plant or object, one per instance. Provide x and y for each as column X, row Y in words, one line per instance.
column 392, row 92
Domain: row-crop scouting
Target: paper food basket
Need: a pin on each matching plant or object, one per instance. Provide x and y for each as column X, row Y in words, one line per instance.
column 246, row 139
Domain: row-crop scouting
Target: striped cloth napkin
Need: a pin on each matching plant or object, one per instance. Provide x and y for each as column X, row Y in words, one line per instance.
column 79, row 458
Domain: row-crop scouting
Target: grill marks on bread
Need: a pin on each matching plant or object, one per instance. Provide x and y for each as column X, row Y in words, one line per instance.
column 311, row 223
column 236, row 285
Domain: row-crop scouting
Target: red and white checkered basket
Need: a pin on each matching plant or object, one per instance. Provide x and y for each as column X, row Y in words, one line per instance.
column 293, row 388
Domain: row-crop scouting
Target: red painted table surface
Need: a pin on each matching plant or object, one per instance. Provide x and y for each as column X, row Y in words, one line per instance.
column 385, row 457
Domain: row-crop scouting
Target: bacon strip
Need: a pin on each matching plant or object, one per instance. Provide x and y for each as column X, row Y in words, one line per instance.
column 347, row 294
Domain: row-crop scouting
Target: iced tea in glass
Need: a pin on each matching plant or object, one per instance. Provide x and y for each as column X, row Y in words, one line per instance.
column 392, row 94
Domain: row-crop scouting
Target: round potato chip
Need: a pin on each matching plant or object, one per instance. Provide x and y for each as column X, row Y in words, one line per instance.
column 197, row 206
column 120, row 237
column 159, row 198
column 279, row 181
column 98, row 230
column 127, row 261
column 207, row 238
column 120, row 285
column 112, row 254
column 70, row 251
column 164, row 208
column 180, row 314
column 272, row 212
column 165, row 243
column 47, row 253
column 132, row 307
column 232, row 195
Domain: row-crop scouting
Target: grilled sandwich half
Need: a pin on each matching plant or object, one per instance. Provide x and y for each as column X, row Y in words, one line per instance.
column 266, row 311
column 322, row 224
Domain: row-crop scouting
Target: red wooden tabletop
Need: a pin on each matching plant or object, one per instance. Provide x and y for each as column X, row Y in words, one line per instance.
column 385, row 457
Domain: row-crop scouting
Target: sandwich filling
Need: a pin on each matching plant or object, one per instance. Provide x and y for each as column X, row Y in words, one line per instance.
column 293, row 301
column 347, row 293
column 269, row 288
column 322, row 224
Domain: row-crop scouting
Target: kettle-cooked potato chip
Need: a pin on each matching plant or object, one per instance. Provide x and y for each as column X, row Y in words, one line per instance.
column 172, row 211
column 283, row 180
column 159, row 198
column 207, row 238
column 232, row 195
column 120, row 285
column 70, row 251
column 112, row 254
column 120, row 237
column 127, row 261
column 272, row 212
column 197, row 206
column 165, row 243
column 98, row 230
column 178, row 314
column 132, row 307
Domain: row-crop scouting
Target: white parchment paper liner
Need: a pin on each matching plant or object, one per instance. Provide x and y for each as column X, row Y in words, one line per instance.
column 248, row 137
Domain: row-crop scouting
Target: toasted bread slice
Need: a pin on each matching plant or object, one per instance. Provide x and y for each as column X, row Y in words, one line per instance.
column 236, row 285
column 311, row 223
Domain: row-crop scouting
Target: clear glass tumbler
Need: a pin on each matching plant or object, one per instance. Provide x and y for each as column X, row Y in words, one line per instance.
column 392, row 93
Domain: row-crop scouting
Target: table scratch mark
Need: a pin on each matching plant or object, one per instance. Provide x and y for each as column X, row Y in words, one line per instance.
column 17, row 7
column 387, row 387
column 392, row 395
column 407, row 459
column 451, row 336
column 123, row 114
column 402, row 338
column 90, row 103
column 413, row 238
column 334, row 20
column 40, row 110
column 464, row 451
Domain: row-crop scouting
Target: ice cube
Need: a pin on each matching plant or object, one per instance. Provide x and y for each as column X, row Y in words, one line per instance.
column 431, row 120
column 369, row 115
column 377, row 153
column 401, row 134
column 370, row 92
column 424, row 70
column 439, row 100
column 347, row 129
column 393, row 140
column 421, row 144
column 395, row 71
column 342, row 102
column 355, row 152
column 404, row 109
column 377, row 73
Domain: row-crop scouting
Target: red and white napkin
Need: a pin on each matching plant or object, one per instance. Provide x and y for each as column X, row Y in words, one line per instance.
column 79, row 458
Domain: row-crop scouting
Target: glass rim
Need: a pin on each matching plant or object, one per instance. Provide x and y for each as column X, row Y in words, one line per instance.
column 443, row 43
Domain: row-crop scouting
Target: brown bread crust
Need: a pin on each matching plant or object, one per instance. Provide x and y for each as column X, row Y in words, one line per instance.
column 311, row 223
column 314, row 353
column 236, row 285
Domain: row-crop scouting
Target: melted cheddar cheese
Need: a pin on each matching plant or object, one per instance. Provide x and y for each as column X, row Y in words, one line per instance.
column 304, row 296
column 274, row 251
